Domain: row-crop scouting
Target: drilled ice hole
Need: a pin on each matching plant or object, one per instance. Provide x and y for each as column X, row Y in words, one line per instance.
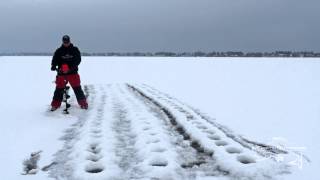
column 233, row 150
column 94, row 168
column 245, row 159
column 221, row 143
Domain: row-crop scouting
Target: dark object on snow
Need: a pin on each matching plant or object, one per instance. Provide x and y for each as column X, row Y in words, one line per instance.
column 30, row 166
column 47, row 167
column 61, row 94
column 66, row 96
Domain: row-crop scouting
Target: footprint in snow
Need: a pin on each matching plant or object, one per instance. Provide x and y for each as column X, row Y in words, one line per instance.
column 93, row 148
column 96, row 131
column 214, row 137
column 153, row 134
column 221, row 143
column 210, row 132
column 245, row 159
column 158, row 149
column 158, row 162
column 196, row 122
column 202, row 127
column 94, row 157
column 153, row 141
column 146, row 128
column 233, row 150
column 96, row 135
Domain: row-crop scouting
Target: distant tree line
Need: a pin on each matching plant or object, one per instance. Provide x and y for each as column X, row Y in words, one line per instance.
column 189, row 54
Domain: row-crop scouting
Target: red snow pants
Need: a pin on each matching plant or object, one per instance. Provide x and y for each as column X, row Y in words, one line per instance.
column 74, row 80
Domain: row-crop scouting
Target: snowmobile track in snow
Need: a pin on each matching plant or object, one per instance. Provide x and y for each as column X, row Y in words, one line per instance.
column 221, row 142
column 137, row 132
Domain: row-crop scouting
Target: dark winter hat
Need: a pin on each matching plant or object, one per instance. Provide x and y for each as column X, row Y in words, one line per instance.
column 66, row 39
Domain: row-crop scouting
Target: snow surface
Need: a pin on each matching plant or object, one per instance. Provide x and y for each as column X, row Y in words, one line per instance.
column 257, row 98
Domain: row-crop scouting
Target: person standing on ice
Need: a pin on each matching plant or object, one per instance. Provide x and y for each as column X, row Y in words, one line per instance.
column 65, row 61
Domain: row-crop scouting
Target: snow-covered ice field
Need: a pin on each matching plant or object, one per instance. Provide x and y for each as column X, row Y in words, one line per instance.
column 129, row 131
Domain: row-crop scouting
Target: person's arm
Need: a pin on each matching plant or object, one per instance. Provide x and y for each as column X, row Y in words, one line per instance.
column 77, row 57
column 54, row 61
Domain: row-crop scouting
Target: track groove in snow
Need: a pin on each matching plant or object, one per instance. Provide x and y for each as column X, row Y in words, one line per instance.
column 192, row 157
column 137, row 132
column 260, row 148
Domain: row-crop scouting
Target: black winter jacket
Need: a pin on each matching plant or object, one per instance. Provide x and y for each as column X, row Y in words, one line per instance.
column 67, row 55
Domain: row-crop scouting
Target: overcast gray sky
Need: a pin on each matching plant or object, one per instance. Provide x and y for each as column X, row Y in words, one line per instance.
column 160, row 25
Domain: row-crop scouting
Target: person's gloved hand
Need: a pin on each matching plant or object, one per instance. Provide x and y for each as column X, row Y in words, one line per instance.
column 65, row 69
column 53, row 68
